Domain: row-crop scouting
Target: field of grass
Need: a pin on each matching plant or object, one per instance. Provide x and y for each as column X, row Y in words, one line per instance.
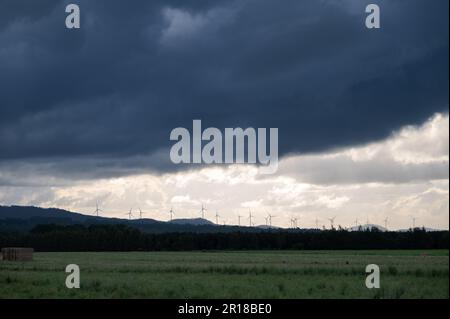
column 313, row 274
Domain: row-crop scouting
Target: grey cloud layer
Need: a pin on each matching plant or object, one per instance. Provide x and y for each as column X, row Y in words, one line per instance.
column 343, row 170
column 117, row 87
column 414, row 154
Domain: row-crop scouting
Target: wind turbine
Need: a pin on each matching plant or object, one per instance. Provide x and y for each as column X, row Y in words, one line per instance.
column 317, row 223
column 294, row 221
column 97, row 210
column 217, row 217
column 130, row 214
column 332, row 221
column 239, row 220
column 356, row 223
column 386, row 220
column 171, row 212
column 203, row 211
column 270, row 219
column 141, row 213
column 414, row 219
column 250, row 216
column 267, row 221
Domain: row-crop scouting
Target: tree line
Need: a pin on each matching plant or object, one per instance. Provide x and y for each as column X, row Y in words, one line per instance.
column 81, row 238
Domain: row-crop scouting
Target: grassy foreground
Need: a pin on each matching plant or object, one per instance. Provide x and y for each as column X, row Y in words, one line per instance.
column 312, row 274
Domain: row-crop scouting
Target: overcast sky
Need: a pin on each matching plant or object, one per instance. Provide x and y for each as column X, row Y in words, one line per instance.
column 85, row 115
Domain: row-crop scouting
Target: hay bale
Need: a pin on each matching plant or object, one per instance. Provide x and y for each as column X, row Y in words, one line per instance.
column 17, row 254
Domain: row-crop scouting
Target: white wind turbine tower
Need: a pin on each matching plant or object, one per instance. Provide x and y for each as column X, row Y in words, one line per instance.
column 203, row 211
column 130, row 214
column 332, row 221
column 250, row 217
column 386, row 220
column 414, row 219
column 239, row 220
column 97, row 210
column 269, row 216
column 317, row 223
column 267, row 221
column 217, row 217
column 141, row 213
column 171, row 212
column 270, row 219
column 294, row 222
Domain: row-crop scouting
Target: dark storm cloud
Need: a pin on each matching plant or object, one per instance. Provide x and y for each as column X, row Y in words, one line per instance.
column 135, row 70
column 24, row 10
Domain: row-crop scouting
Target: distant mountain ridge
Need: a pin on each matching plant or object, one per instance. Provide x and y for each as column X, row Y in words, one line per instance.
column 194, row 221
column 24, row 218
column 28, row 212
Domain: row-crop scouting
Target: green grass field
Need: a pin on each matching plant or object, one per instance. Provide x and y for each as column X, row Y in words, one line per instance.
column 324, row 274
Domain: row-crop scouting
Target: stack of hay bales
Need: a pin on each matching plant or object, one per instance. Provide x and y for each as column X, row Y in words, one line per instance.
column 17, row 254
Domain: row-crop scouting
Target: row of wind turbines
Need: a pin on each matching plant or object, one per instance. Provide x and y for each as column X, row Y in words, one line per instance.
column 358, row 224
column 130, row 215
column 203, row 212
column 251, row 218
column 294, row 221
